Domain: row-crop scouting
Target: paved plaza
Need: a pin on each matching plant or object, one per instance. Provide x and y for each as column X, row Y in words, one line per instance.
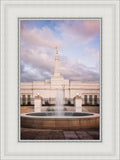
column 40, row 134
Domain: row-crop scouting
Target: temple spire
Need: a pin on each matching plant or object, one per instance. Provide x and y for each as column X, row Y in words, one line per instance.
column 56, row 71
column 56, row 50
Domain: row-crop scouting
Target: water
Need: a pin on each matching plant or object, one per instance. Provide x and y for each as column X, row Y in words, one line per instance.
column 59, row 103
column 67, row 114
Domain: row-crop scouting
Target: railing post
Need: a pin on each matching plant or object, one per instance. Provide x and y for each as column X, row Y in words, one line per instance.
column 37, row 104
column 78, row 103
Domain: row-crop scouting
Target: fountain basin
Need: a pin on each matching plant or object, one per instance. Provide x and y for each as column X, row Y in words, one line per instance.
column 69, row 121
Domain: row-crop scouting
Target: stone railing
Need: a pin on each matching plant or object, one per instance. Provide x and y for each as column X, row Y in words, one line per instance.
column 67, row 101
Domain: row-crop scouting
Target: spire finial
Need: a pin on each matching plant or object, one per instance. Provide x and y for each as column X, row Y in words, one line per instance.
column 56, row 50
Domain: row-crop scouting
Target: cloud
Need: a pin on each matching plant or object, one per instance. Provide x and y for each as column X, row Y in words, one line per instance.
column 40, row 66
column 30, row 74
column 93, row 56
column 39, row 37
column 78, row 71
column 38, row 57
column 37, row 52
column 88, row 49
column 79, row 31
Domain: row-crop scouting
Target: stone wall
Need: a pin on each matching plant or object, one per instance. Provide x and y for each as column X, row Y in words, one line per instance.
column 66, row 123
column 93, row 109
column 27, row 109
column 47, row 90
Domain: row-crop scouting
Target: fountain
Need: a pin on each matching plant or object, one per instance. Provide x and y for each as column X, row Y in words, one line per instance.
column 70, row 121
column 60, row 119
column 59, row 103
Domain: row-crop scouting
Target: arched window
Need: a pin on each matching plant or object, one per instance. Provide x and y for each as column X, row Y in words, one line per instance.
column 95, row 99
column 85, row 99
column 23, row 99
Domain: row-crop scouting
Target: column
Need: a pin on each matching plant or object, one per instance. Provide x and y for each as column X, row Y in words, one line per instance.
column 88, row 99
column 93, row 100
column 98, row 100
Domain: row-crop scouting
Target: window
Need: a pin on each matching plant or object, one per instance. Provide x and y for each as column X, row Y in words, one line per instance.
column 85, row 99
column 95, row 99
column 90, row 99
column 29, row 100
column 23, row 99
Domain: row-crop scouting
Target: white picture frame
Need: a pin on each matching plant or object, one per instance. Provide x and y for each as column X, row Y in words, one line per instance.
column 11, row 148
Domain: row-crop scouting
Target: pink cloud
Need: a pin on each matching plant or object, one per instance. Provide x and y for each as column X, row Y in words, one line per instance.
column 38, row 57
column 78, row 71
column 88, row 49
column 92, row 27
column 43, row 37
column 37, row 63
column 81, row 31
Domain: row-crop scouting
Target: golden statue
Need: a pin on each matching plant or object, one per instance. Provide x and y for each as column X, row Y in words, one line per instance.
column 56, row 50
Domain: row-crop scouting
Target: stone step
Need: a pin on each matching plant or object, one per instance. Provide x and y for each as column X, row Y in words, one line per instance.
column 83, row 135
column 70, row 135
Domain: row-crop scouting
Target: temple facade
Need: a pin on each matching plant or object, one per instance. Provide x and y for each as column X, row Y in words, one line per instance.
column 89, row 91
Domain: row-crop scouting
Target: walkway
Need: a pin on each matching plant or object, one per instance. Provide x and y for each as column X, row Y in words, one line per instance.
column 40, row 134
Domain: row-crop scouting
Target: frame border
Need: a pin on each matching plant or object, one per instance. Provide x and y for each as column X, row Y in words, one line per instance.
column 116, row 155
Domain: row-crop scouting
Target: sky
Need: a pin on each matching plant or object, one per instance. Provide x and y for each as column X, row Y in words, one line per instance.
column 78, row 43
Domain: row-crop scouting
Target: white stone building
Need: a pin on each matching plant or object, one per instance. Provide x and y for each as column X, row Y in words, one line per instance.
column 89, row 91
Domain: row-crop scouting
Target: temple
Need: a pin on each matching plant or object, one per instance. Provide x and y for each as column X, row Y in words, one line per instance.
column 89, row 91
